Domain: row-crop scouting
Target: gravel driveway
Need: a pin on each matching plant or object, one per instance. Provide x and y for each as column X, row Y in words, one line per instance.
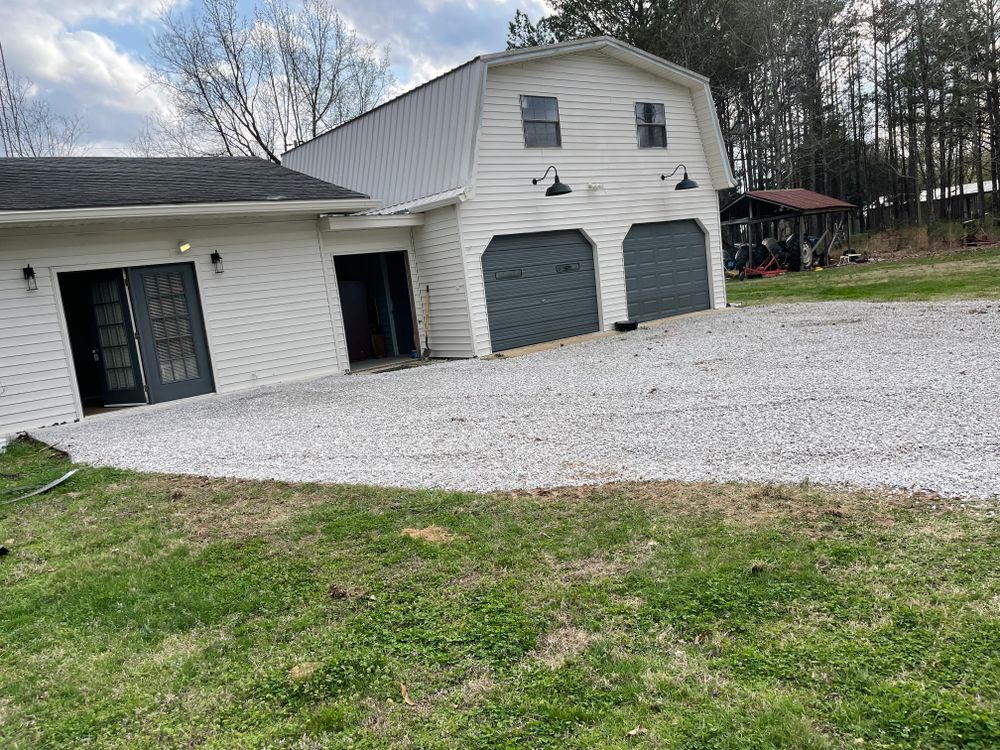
column 903, row 395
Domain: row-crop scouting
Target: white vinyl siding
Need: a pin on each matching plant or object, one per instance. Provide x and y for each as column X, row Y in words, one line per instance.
column 440, row 266
column 413, row 146
column 597, row 95
column 267, row 317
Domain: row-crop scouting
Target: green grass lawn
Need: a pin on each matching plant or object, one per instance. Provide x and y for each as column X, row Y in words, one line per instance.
column 969, row 275
column 145, row 611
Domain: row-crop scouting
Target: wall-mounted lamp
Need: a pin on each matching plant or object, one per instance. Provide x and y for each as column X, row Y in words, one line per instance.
column 557, row 187
column 183, row 246
column 29, row 278
column 686, row 184
column 217, row 261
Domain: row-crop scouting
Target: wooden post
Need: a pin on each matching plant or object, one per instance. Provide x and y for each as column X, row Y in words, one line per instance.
column 802, row 237
column 850, row 220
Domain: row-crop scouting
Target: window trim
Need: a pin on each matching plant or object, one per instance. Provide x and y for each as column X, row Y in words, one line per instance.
column 524, row 121
column 639, row 125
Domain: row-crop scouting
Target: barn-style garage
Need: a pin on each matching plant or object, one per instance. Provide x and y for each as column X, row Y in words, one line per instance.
column 666, row 269
column 540, row 286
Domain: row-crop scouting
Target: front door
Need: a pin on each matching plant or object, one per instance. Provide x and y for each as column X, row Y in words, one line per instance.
column 113, row 342
column 171, row 331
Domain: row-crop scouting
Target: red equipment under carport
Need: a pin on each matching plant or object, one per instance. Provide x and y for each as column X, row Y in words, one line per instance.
column 768, row 263
column 760, row 215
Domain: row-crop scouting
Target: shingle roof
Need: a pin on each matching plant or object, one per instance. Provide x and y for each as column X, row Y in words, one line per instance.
column 800, row 198
column 30, row 184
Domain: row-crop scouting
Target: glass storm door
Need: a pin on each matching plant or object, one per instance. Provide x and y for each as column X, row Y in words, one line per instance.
column 171, row 331
column 114, row 341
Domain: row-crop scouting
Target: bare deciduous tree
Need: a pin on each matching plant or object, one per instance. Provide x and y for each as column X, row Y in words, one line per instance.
column 29, row 126
column 258, row 85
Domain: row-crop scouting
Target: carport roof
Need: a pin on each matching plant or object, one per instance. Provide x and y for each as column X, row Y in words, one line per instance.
column 41, row 184
column 801, row 199
column 759, row 206
column 796, row 200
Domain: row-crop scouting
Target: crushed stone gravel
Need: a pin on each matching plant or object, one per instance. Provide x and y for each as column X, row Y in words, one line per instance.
column 874, row 395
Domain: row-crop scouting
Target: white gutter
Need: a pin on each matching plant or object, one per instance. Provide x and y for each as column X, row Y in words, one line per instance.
column 426, row 203
column 106, row 213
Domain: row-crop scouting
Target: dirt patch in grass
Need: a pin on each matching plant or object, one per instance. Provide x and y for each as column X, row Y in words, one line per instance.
column 591, row 568
column 754, row 505
column 226, row 509
column 304, row 670
column 337, row 591
column 603, row 565
column 558, row 646
column 435, row 534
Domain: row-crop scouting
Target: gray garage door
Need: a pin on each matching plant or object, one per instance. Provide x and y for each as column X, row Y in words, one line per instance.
column 539, row 287
column 666, row 270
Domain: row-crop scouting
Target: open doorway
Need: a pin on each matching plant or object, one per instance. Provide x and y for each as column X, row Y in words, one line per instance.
column 377, row 307
column 136, row 335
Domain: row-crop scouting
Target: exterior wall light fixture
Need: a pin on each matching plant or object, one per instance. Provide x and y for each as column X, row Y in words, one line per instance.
column 217, row 261
column 183, row 246
column 29, row 278
column 686, row 184
column 557, row 187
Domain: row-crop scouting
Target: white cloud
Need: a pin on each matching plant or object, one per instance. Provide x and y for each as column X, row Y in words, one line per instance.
column 433, row 36
column 78, row 69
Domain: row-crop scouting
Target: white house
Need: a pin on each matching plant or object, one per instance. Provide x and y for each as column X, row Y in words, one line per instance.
column 502, row 263
column 130, row 281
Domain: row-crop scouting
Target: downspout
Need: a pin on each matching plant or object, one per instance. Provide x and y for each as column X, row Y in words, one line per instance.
column 427, row 322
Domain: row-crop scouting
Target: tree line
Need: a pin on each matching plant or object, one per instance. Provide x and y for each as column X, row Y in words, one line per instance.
column 872, row 101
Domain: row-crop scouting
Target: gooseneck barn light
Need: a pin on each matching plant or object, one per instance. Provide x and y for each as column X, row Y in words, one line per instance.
column 558, row 187
column 29, row 278
column 217, row 261
column 686, row 184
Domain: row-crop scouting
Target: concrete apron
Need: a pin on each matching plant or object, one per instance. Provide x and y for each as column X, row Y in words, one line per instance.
column 548, row 345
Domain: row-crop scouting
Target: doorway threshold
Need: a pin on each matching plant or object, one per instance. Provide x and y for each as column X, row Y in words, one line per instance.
column 385, row 364
column 93, row 411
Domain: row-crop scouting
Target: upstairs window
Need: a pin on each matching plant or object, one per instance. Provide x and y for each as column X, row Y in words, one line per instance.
column 540, row 116
column 651, row 123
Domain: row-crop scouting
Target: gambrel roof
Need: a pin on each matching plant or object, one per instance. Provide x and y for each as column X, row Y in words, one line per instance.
column 441, row 118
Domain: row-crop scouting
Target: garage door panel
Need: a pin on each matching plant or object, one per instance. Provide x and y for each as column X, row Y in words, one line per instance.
column 544, row 285
column 666, row 270
column 539, row 287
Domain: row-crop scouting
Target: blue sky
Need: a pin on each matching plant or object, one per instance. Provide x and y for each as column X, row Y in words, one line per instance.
column 90, row 56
